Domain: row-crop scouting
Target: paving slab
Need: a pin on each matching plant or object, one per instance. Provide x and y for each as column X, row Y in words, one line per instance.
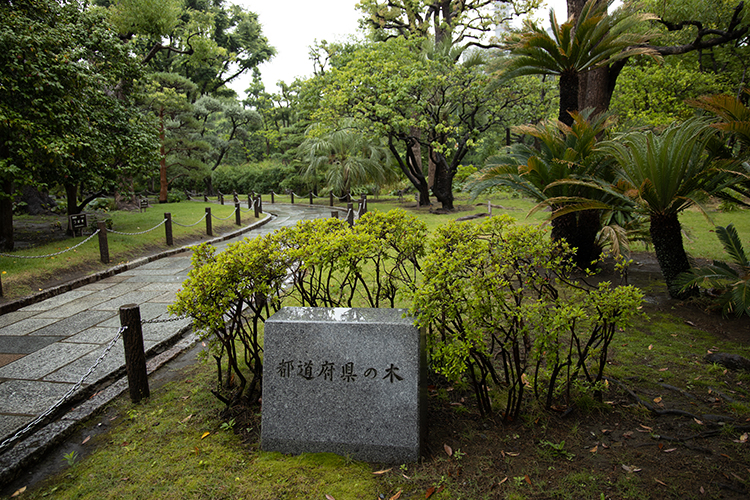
column 25, row 344
column 14, row 396
column 26, row 326
column 74, row 324
column 38, row 364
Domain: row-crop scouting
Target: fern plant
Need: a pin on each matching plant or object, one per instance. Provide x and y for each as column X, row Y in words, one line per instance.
column 729, row 284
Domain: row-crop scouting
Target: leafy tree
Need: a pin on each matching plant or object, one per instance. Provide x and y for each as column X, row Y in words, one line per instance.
column 430, row 103
column 65, row 102
column 665, row 174
column 582, row 43
column 203, row 41
column 464, row 23
column 181, row 146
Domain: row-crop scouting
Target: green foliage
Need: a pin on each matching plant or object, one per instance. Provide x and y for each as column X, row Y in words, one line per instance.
column 656, row 95
column 261, row 177
column 729, row 285
column 229, row 295
column 492, row 291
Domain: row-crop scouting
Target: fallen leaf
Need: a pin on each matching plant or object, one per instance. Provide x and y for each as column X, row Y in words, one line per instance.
column 606, row 431
column 698, row 421
column 630, row 468
column 124, row 479
column 329, row 497
column 504, row 479
column 605, row 446
column 197, row 450
column 689, row 323
column 726, row 456
column 670, row 450
column 527, row 478
column 405, row 476
column 628, row 435
column 396, row 496
column 594, row 449
column 646, row 426
column 742, row 439
column 650, row 346
column 660, row 482
column 18, row 492
column 429, row 492
column 383, row 471
column 89, row 437
column 703, row 492
column 448, row 450
column 205, row 435
column 660, row 445
column 663, row 369
column 738, row 478
column 512, row 454
column 186, row 418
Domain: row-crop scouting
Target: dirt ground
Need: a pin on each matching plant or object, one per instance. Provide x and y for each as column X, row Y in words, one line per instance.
column 686, row 449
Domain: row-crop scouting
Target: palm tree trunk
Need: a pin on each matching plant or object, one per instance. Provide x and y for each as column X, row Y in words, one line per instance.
column 579, row 229
column 568, row 96
column 666, row 235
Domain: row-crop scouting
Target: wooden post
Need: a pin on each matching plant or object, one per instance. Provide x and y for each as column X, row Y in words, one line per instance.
column 135, row 358
column 363, row 208
column 311, row 197
column 234, row 197
column 103, row 244
column 209, row 229
column 221, row 198
column 237, row 214
column 272, row 200
column 205, row 198
column 256, row 205
column 350, row 214
column 1, row 287
column 331, row 195
column 292, row 194
column 259, row 202
column 348, row 196
column 334, row 214
column 168, row 228
column 249, row 202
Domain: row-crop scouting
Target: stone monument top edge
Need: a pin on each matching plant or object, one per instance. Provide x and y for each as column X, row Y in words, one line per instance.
column 341, row 315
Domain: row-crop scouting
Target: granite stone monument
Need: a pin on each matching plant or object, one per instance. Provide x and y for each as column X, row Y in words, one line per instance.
column 345, row 381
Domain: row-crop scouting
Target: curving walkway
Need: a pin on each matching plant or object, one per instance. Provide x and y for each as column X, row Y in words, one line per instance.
column 46, row 347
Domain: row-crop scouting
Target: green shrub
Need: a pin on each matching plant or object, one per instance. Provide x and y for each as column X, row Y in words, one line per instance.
column 492, row 301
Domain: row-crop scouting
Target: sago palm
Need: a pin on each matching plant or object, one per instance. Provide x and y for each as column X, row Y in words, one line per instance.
column 594, row 39
column 731, row 283
column 733, row 117
column 564, row 175
column 665, row 174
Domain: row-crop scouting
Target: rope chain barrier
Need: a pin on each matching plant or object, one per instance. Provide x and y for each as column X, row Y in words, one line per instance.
column 21, row 433
column 49, row 255
column 189, row 225
column 225, row 218
column 142, row 232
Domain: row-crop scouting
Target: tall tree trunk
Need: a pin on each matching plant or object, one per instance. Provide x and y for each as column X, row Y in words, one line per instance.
column 6, row 215
column 71, row 195
column 163, row 183
column 443, row 184
column 666, row 235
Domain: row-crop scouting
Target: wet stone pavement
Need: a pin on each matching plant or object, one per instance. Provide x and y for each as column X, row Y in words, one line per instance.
column 46, row 347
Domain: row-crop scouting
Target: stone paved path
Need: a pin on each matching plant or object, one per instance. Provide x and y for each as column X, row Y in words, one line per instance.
column 46, row 347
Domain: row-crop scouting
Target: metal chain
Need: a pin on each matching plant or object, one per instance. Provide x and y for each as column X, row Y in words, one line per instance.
column 168, row 320
column 21, row 433
column 49, row 255
column 142, row 232
column 189, row 225
column 225, row 218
